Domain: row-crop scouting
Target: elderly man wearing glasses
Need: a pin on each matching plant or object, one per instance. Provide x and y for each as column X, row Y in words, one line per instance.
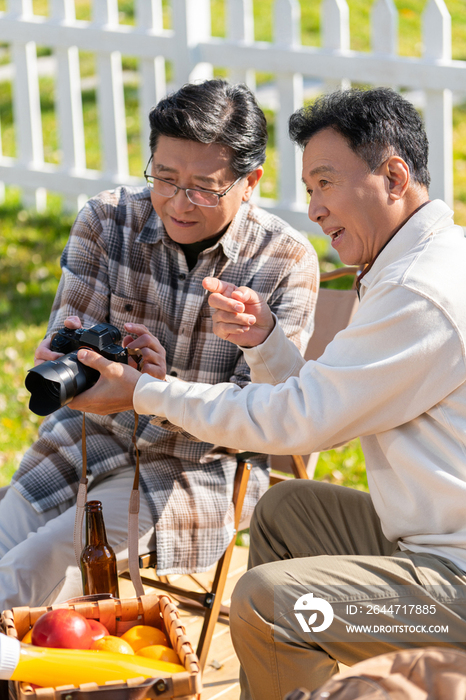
column 137, row 258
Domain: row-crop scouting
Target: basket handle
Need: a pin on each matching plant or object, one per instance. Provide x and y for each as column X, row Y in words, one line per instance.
column 149, row 688
column 94, row 598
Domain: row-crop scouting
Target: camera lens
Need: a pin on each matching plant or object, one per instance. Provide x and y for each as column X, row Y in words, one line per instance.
column 45, row 393
column 55, row 383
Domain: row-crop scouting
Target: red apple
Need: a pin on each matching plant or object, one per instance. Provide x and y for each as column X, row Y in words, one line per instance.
column 98, row 629
column 62, row 629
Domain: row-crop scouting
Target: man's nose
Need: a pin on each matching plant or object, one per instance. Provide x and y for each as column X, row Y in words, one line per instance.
column 317, row 212
column 181, row 202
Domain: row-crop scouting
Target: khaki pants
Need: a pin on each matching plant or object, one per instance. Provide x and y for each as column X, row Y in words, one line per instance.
column 309, row 536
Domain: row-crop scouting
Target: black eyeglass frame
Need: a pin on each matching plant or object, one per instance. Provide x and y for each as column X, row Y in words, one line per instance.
column 188, row 189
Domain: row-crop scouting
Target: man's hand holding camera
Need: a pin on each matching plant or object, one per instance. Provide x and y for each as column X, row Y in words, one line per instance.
column 60, row 374
column 44, row 353
column 148, row 348
column 113, row 392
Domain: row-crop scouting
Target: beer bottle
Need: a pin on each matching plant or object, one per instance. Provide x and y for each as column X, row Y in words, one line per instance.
column 98, row 561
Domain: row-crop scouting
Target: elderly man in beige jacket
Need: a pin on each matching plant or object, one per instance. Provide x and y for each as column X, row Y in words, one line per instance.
column 337, row 574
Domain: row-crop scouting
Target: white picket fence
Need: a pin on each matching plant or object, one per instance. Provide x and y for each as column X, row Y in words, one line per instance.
column 193, row 52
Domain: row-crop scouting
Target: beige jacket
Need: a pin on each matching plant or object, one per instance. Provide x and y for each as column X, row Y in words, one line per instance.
column 395, row 377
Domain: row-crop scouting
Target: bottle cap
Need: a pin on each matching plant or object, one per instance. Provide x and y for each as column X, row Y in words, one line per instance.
column 93, row 506
column 10, row 649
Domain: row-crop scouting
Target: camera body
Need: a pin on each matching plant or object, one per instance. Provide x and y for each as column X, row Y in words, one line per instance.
column 100, row 338
column 55, row 383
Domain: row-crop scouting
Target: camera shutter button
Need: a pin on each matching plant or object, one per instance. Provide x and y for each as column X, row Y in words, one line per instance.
column 128, row 307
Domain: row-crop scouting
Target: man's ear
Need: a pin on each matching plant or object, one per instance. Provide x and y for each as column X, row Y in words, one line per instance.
column 398, row 176
column 252, row 180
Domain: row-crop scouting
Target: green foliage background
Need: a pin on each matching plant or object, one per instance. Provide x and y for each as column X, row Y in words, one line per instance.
column 30, row 244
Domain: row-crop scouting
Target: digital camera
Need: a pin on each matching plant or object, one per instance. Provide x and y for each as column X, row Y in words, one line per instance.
column 55, row 383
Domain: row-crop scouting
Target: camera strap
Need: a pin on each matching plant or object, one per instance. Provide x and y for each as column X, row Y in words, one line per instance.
column 133, row 521
column 81, row 499
column 133, row 512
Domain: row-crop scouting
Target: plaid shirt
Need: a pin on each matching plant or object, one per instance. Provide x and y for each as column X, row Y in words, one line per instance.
column 120, row 266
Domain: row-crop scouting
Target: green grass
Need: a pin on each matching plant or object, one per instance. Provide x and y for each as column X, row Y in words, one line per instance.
column 30, row 244
column 30, row 248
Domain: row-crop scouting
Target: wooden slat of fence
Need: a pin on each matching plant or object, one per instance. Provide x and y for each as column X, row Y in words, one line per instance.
column 69, row 101
column 191, row 24
column 111, row 98
column 384, row 27
column 152, row 86
column 439, row 103
column 240, row 27
column 290, row 91
column 336, row 36
column 26, row 100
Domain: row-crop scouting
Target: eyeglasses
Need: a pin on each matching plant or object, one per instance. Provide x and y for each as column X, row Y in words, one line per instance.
column 201, row 198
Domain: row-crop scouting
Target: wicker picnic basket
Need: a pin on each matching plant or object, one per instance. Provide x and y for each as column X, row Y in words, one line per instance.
column 118, row 616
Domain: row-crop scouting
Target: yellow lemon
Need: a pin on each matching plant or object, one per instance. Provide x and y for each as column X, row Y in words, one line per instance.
column 141, row 636
column 27, row 639
column 114, row 644
column 159, row 652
